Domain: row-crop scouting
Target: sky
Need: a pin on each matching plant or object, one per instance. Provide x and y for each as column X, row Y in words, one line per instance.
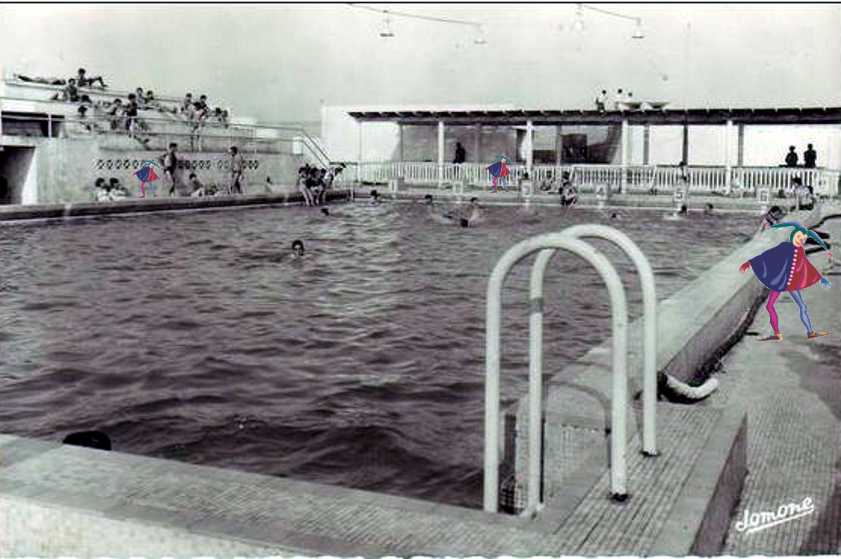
column 279, row 63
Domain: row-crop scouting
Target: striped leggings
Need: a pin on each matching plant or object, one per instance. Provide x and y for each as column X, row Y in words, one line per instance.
column 801, row 304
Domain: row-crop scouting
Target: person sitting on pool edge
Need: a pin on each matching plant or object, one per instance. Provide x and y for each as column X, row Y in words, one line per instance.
column 297, row 248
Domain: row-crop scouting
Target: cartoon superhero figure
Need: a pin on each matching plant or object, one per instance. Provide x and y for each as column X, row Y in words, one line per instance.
column 146, row 174
column 498, row 170
column 786, row 268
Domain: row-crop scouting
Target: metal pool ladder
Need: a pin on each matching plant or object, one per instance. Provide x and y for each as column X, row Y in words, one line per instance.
column 546, row 246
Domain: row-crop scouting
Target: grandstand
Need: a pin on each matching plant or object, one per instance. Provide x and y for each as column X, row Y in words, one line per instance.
column 51, row 153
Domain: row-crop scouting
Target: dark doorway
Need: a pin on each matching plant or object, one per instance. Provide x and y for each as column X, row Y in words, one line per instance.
column 15, row 174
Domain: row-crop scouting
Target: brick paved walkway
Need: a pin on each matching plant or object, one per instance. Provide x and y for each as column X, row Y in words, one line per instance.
column 792, row 390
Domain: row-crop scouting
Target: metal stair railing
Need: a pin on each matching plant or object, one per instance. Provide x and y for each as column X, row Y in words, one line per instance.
column 649, row 372
column 492, row 364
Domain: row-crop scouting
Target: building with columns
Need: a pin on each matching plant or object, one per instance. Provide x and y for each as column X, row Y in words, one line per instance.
column 702, row 137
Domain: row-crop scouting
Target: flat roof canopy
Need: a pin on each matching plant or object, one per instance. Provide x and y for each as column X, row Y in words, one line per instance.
column 543, row 117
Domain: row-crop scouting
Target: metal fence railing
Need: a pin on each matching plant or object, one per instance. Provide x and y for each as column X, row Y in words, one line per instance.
column 637, row 178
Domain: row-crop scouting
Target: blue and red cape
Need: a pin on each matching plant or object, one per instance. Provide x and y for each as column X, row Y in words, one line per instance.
column 785, row 268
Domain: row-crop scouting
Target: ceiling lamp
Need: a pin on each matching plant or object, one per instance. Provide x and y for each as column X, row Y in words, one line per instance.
column 638, row 34
column 578, row 23
column 479, row 39
column 385, row 30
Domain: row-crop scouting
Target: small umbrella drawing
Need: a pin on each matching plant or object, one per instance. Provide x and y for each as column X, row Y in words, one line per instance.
column 146, row 174
column 498, row 170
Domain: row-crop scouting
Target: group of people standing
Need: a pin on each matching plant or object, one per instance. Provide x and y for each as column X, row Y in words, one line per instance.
column 314, row 182
column 810, row 157
column 621, row 100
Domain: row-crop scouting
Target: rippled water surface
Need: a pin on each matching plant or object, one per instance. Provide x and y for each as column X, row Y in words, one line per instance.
column 195, row 337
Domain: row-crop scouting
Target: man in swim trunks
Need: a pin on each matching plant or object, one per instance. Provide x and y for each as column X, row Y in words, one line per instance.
column 169, row 162
column 237, row 170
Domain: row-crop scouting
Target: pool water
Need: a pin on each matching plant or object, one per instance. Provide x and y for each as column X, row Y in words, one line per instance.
column 196, row 337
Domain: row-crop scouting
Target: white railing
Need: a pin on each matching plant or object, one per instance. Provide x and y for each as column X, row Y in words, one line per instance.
column 638, row 178
column 547, row 245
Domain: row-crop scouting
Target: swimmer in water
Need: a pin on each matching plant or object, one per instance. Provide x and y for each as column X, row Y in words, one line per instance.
column 708, row 209
column 615, row 215
column 475, row 215
column 297, row 248
column 325, row 211
column 677, row 214
column 375, row 198
column 432, row 211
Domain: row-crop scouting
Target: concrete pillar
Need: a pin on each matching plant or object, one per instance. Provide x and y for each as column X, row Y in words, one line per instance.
column 3, row 94
column 559, row 145
column 685, row 150
column 624, row 142
column 359, row 152
column 728, row 168
column 477, row 144
column 529, row 147
column 440, row 153
column 740, row 153
column 646, row 144
column 400, row 142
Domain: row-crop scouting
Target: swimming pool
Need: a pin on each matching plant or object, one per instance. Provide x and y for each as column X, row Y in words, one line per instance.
column 196, row 338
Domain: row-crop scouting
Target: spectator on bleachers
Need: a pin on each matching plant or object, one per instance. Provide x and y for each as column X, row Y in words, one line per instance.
column 201, row 111
column 132, row 122
column 70, row 93
column 187, row 108
column 149, row 100
column 48, row 81
column 84, row 122
column 114, row 112
column 85, row 81
column 140, row 98
column 220, row 116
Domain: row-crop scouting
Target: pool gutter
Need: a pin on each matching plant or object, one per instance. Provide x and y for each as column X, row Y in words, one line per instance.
column 40, row 212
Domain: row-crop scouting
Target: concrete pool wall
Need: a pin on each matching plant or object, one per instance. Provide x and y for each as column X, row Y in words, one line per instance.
column 60, row 500
column 64, row 170
column 133, row 206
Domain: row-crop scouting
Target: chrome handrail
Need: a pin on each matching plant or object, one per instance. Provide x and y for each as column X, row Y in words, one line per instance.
column 492, row 364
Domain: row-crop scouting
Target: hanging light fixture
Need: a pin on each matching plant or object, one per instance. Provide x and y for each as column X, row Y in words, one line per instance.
column 385, row 30
column 578, row 23
column 638, row 34
column 479, row 39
